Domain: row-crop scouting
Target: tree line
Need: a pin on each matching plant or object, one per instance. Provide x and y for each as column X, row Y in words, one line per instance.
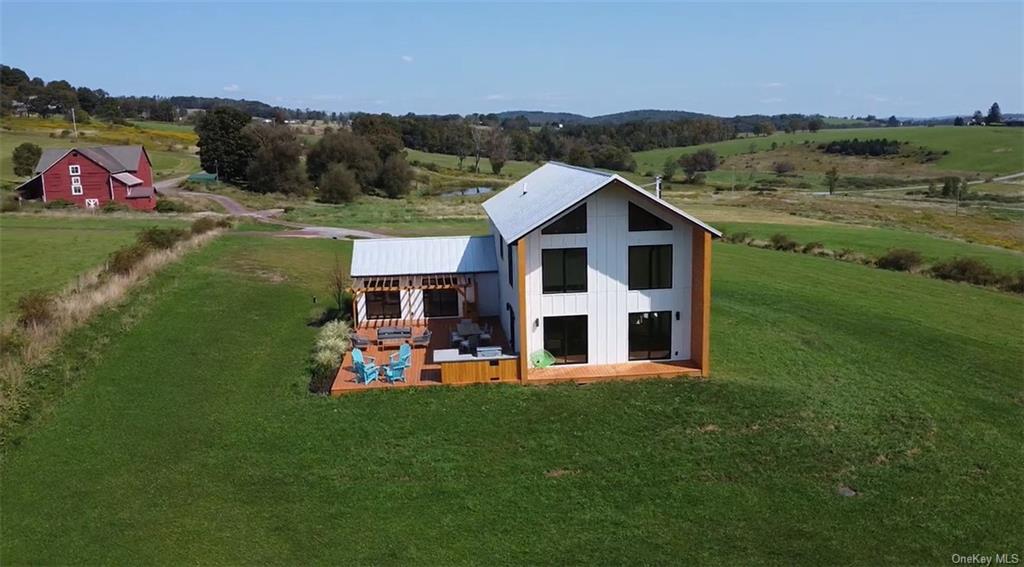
column 265, row 158
column 873, row 147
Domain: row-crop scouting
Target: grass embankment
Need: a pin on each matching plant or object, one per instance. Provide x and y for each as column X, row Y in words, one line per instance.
column 168, row 146
column 195, row 421
column 985, row 150
column 46, row 252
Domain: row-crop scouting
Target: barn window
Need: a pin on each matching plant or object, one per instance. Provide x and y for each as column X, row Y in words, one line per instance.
column 76, row 185
column 75, row 169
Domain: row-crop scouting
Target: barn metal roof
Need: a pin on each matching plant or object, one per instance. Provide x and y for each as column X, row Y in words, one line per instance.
column 112, row 158
column 127, row 178
column 412, row 256
column 552, row 189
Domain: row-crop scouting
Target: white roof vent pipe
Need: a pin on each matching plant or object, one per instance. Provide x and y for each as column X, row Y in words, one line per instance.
column 657, row 186
column 524, row 188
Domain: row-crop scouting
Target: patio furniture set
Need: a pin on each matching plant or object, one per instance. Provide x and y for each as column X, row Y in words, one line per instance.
column 368, row 371
column 391, row 336
column 468, row 336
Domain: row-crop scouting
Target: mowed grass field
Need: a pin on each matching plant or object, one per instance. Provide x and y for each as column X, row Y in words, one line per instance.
column 47, row 252
column 996, row 150
column 191, row 438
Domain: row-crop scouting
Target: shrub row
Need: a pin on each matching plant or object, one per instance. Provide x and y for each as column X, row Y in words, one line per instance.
column 969, row 270
column 331, row 345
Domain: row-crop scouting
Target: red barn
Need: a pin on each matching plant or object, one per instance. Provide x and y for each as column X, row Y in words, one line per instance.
column 90, row 177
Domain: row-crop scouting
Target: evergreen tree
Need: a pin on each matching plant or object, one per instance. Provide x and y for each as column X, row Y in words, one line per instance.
column 995, row 115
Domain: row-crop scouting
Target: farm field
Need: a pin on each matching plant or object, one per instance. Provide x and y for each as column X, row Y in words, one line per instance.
column 167, row 147
column 412, row 216
column 512, row 169
column 911, row 397
column 876, row 241
column 984, row 150
column 46, row 252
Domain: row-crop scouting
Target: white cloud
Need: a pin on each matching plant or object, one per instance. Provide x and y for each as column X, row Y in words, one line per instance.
column 496, row 96
column 407, row 58
column 773, row 85
column 878, row 98
column 772, row 100
column 231, row 88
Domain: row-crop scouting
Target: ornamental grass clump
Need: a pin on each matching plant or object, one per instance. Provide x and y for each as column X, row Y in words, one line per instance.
column 331, row 345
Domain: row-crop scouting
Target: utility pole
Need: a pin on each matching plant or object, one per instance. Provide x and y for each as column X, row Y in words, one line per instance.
column 74, row 123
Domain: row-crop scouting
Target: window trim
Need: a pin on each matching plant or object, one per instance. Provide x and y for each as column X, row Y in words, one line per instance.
column 629, row 339
column 563, row 289
column 74, row 169
column 650, row 267
column 76, row 188
column 586, row 339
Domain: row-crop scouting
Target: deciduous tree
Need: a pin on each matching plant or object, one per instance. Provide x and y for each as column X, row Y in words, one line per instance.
column 832, row 180
column 25, row 158
column 497, row 150
column 702, row 160
column 223, row 149
column 275, row 166
column 395, row 176
column 995, row 115
column 338, row 184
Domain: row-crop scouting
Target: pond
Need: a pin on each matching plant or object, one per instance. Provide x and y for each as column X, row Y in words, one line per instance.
column 468, row 192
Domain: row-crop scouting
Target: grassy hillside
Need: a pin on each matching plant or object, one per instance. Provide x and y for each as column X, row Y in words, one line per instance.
column 513, row 169
column 985, row 150
column 876, row 241
column 45, row 253
column 168, row 145
column 194, row 427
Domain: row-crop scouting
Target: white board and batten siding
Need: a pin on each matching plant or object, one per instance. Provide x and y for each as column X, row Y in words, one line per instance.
column 608, row 300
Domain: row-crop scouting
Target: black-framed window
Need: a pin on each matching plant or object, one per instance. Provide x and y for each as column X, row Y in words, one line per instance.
column 650, row 335
column 511, row 264
column 650, row 267
column 575, row 222
column 566, row 338
column 564, row 270
column 383, row 305
column 641, row 220
column 440, row 303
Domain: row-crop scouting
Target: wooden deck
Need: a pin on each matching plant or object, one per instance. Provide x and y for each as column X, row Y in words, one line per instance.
column 423, row 372
column 584, row 373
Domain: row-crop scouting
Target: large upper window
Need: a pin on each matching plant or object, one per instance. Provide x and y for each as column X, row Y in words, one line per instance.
column 440, row 303
column 574, row 222
column 564, row 270
column 383, row 305
column 75, row 169
column 650, row 267
column 566, row 338
column 511, row 264
column 650, row 335
column 642, row 220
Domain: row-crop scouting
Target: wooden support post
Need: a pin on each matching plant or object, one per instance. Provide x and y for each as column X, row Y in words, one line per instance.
column 700, row 301
column 524, row 356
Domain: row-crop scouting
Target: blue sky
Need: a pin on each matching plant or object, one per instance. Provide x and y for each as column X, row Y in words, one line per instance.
column 838, row 59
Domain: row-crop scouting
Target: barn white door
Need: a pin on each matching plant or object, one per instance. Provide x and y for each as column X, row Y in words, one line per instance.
column 92, row 203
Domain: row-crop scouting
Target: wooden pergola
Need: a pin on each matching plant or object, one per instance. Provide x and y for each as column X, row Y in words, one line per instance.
column 394, row 284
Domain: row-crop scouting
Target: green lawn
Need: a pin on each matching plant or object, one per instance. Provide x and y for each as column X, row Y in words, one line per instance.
column 47, row 252
column 191, row 439
column 412, row 216
column 877, row 241
column 987, row 150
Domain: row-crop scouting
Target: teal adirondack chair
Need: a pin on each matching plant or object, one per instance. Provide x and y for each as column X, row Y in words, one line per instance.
column 366, row 367
column 403, row 356
column 395, row 372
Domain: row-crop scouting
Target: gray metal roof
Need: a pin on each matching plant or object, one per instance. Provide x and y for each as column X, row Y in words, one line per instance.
column 552, row 189
column 140, row 192
column 112, row 158
column 434, row 255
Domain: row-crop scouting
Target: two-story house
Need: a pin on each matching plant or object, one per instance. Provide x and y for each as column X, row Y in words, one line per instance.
column 604, row 276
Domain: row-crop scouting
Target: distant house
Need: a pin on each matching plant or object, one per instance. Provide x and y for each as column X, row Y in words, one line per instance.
column 90, row 177
column 584, row 276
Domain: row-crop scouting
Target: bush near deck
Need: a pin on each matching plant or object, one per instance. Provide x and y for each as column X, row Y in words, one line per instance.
column 196, row 421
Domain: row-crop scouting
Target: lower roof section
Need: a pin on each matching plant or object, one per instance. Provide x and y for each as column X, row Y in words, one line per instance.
column 421, row 256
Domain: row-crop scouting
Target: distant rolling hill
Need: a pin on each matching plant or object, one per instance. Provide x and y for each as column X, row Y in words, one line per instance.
column 539, row 117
